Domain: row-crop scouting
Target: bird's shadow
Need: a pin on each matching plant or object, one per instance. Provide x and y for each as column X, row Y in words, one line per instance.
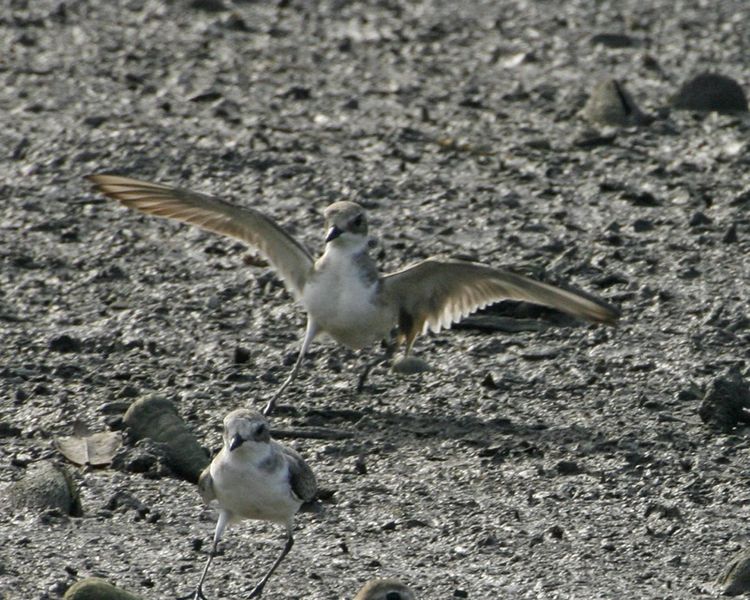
column 493, row 436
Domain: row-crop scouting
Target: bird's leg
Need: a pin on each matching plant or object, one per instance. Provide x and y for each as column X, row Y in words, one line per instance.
column 221, row 524
column 410, row 365
column 258, row 590
column 386, row 355
column 199, row 595
column 310, row 333
column 409, row 344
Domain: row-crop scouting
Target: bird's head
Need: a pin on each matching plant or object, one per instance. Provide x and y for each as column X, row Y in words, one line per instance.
column 385, row 589
column 243, row 426
column 346, row 224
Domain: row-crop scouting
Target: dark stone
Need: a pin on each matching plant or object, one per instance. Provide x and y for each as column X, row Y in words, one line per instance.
column 241, row 355
column 594, row 140
column 556, row 532
column 19, row 151
column 726, row 403
column 95, row 121
column 662, row 511
column 711, row 92
column 128, row 391
column 8, row 430
column 699, row 219
column 65, row 343
column 613, row 40
column 640, row 198
column 489, row 382
column 730, row 236
column 209, row 5
column 568, row 467
column 149, row 458
column 125, row 500
column 298, row 93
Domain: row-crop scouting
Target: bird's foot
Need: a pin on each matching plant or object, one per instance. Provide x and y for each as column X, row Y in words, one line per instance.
column 410, row 365
column 269, row 407
column 196, row 595
column 362, row 379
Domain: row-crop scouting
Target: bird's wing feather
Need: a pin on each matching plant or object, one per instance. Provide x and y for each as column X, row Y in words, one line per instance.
column 287, row 255
column 206, row 486
column 437, row 293
column 301, row 477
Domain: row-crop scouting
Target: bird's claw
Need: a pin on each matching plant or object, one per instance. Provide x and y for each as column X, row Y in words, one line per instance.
column 196, row 595
column 270, row 406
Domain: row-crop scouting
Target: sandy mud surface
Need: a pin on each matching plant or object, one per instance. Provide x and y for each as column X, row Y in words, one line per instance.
column 559, row 461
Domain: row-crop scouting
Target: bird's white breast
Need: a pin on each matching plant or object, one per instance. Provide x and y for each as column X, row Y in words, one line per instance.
column 247, row 490
column 343, row 301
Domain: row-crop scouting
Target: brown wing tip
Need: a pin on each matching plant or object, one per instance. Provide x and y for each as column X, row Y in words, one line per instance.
column 94, row 178
column 98, row 178
column 102, row 180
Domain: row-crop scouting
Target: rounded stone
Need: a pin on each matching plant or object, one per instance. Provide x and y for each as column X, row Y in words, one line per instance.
column 709, row 92
column 46, row 486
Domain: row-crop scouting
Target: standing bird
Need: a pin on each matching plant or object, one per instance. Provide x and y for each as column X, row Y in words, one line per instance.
column 385, row 589
column 342, row 291
column 254, row 477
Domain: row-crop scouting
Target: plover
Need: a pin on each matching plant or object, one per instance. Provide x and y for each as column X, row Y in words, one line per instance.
column 385, row 589
column 342, row 291
column 254, row 477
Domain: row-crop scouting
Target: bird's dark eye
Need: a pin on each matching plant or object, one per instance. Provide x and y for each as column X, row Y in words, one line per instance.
column 261, row 430
column 358, row 221
column 393, row 596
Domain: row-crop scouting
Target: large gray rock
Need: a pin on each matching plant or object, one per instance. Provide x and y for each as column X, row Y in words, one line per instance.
column 46, row 486
column 157, row 418
column 94, row 588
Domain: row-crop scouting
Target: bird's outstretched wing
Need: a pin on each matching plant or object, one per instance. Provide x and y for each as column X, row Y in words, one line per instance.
column 434, row 294
column 288, row 256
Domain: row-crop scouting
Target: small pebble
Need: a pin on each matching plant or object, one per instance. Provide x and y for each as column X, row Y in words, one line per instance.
column 65, row 343
column 410, row 365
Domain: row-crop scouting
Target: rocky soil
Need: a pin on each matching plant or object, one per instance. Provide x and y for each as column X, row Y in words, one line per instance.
column 559, row 461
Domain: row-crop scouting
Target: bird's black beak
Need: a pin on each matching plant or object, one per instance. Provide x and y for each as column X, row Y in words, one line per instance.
column 333, row 233
column 235, row 442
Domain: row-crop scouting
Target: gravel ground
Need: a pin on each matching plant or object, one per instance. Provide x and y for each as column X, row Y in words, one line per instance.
column 565, row 462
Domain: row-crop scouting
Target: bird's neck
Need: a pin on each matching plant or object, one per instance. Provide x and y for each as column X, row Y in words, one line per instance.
column 249, row 452
column 343, row 257
column 348, row 250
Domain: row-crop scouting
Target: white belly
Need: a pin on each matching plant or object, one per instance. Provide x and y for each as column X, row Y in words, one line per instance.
column 344, row 305
column 249, row 493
